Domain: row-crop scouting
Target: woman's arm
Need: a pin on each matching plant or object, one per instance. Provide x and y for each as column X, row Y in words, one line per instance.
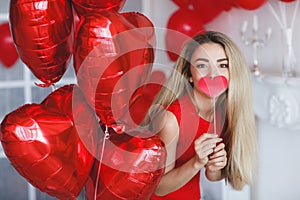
column 175, row 178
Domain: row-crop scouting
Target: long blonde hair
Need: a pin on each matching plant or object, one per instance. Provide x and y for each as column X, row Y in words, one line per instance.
column 239, row 134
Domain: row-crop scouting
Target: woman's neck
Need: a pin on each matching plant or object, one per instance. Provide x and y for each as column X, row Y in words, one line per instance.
column 205, row 106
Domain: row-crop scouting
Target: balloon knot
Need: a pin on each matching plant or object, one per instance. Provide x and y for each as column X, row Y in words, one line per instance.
column 44, row 85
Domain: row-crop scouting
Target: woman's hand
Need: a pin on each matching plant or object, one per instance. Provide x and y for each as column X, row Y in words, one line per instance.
column 204, row 146
column 218, row 159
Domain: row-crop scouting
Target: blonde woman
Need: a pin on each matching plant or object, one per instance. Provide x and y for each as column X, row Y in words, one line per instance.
column 201, row 131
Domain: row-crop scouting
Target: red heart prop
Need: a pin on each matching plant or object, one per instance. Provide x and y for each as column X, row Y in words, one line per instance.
column 47, row 142
column 131, row 168
column 213, row 87
column 8, row 51
column 42, row 32
column 94, row 6
column 113, row 56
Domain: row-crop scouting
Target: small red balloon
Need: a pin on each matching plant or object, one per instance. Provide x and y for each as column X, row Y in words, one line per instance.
column 131, row 167
column 52, row 144
column 250, row 4
column 42, row 31
column 208, row 9
column 8, row 51
column 183, row 3
column 182, row 25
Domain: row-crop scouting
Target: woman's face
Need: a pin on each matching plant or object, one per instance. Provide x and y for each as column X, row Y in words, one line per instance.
column 208, row 60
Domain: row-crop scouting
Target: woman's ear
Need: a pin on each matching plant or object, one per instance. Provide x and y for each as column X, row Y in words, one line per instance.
column 190, row 80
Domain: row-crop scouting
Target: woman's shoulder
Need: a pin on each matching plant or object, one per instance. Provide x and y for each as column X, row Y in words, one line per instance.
column 165, row 123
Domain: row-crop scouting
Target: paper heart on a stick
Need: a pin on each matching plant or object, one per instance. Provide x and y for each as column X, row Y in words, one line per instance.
column 213, row 86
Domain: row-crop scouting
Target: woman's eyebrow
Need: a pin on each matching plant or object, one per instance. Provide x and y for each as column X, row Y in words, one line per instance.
column 222, row 59
column 202, row 59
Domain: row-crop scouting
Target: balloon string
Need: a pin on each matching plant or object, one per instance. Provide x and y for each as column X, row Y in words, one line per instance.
column 294, row 14
column 106, row 137
column 275, row 15
column 53, row 88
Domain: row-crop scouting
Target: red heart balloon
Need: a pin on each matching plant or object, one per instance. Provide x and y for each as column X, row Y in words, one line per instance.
column 113, row 56
column 8, row 51
column 213, row 87
column 131, row 167
column 52, row 144
column 42, row 32
column 83, row 7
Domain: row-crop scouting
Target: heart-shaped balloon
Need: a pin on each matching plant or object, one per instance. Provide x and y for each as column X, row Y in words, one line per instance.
column 43, row 34
column 213, row 87
column 52, row 144
column 131, row 167
column 113, row 56
column 93, row 6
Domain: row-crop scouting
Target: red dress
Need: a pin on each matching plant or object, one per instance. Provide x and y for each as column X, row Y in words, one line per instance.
column 191, row 127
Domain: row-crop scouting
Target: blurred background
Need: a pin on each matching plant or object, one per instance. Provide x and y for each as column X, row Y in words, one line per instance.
column 266, row 32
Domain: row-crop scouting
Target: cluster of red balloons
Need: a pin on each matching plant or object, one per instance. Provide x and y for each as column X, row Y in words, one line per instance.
column 61, row 145
column 191, row 17
column 8, row 51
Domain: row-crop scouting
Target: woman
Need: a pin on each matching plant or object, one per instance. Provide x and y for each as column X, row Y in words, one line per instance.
column 203, row 130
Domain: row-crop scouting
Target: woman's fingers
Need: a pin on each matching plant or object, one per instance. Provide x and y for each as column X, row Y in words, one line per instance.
column 219, row 156
column 205, row 145
column 204, row 137
column 218, row 159
column 219, row 147
column 219, row 151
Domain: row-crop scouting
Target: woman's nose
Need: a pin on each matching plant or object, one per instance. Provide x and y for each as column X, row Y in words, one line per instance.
column 213, row 72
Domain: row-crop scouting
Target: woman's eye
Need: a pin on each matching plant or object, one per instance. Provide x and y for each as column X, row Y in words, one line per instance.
column 201, row 66
column 224, row 65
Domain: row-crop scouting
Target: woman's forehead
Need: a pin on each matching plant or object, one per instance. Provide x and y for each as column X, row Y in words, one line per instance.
column 209, row 51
